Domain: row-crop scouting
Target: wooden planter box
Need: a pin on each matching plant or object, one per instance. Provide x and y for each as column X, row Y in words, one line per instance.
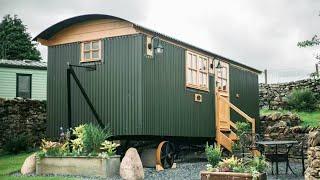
column 83, row 166
column 206, row 175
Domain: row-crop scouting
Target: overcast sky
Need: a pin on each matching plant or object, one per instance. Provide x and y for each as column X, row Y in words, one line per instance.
column 261, row 34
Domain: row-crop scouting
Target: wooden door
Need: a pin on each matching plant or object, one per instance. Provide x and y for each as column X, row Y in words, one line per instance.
column 222, row 91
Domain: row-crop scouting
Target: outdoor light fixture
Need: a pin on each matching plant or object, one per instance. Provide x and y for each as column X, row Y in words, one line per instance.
column 219, row 65
column 159, row 48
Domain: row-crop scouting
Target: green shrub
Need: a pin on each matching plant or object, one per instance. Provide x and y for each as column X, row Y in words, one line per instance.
column 242, row 128
column 302, row 100
column 17, row 144
column 93, row 137
column 259, row 164
column 213, row 154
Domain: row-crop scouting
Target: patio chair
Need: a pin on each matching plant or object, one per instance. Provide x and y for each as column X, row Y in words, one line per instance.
column 301, row 154
column 281, row 156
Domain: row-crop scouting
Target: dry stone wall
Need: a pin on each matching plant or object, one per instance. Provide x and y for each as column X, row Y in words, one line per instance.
column 272, row 95
column 313, row 168
column 278, row 126
column 22, row 117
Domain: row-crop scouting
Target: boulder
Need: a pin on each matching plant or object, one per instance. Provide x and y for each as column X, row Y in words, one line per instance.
column 29, row 165
column 131, row 166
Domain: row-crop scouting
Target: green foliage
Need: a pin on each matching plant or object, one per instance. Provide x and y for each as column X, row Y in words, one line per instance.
column 242, row 128
column 15, row 42
column 232, row 164
column 51, row 148
column 259, row 164
column 109, row 147
column 213, row 154
column 254, row 166
column 93, row 137
column 302, row 100
column 309, row 43
column 17, row 144
column 77, row 144
column 89, row 141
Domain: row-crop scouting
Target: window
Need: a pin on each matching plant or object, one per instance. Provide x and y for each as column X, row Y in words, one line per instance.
column 197, row 71
column 91, row 51
column 222, row 77
column 23, row 85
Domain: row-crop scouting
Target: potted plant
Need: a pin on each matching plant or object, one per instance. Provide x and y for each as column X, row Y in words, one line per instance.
column 89, row 154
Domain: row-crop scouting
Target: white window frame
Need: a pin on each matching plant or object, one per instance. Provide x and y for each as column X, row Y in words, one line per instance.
column 222, row 77
column 83, row 51
column 190, row 68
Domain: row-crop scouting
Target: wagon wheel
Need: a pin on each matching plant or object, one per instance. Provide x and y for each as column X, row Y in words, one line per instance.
column 165, row 154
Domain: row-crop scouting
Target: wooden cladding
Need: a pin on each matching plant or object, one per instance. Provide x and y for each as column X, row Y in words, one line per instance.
column 88, row 30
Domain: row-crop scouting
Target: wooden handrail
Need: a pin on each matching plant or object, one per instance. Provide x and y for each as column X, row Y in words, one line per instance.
column 243, row 114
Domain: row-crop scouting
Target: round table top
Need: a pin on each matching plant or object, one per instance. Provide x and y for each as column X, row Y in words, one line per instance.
column 276, row 142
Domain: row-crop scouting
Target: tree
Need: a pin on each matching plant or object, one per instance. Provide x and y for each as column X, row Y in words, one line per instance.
column 15, row 41
column 308, row 43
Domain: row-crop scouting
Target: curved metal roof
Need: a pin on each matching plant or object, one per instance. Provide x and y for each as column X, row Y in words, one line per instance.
column 52, row 30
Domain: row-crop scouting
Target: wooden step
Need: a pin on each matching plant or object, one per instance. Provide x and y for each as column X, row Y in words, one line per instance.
column 233, row 136
column 224, row 141
column 225, row 130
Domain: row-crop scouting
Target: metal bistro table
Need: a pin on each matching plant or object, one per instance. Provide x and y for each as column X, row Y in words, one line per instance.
column 276, row 143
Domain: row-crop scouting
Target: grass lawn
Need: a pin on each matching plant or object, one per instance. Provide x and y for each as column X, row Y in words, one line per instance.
column 12, row 163
column 308, row 118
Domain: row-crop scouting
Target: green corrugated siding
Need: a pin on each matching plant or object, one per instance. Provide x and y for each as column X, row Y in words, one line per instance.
column 169, row 108
column 140, row 95
column 114, row 88
column 8, row 82
column 244, row 83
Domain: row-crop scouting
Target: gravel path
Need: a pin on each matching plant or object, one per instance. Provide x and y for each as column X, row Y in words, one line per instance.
column 191, row 170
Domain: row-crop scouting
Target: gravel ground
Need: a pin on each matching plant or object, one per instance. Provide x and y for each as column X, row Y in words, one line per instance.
column 191, row 170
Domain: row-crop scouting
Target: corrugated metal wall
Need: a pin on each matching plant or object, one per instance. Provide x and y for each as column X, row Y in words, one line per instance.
column 244, row 83
column 114, row 88
column 169, row 108
column 140, row 95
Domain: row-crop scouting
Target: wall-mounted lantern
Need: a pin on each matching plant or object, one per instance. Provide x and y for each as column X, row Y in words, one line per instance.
column 219, row 65
column 158, row 49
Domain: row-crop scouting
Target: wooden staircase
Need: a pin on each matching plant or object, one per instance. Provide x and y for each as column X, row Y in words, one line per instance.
column 225, row 135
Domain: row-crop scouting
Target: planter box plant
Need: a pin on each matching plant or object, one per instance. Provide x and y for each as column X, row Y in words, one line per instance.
column 88, row 154
column 82, row 165
column 233, row 167
column 207, row 175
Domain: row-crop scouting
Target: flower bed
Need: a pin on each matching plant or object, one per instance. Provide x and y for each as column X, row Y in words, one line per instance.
column 88, row 154
column 233, row 167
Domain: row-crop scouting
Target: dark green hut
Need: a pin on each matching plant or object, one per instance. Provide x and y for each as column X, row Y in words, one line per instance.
column 183, row 92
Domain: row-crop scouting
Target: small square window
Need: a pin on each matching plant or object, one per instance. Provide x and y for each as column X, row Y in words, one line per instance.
column 91, row 51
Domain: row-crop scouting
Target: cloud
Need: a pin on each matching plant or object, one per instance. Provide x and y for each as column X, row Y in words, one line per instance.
column 259, row 34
